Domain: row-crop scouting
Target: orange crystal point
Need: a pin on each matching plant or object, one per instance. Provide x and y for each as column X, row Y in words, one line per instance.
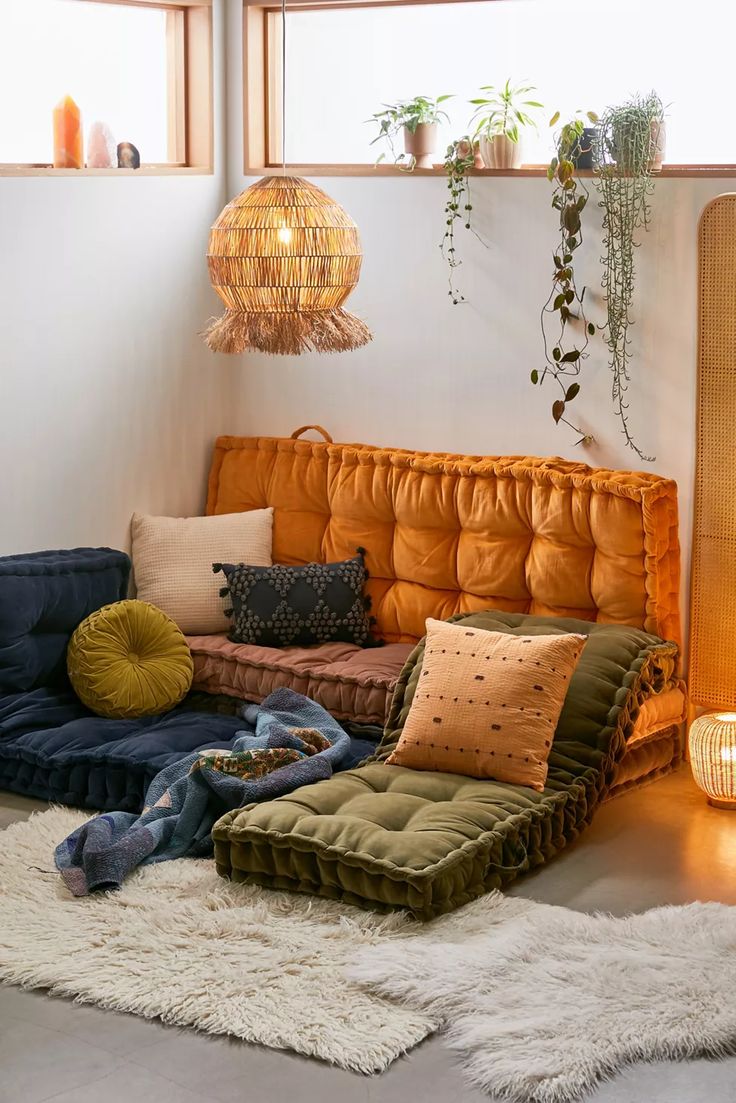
column 68, row 138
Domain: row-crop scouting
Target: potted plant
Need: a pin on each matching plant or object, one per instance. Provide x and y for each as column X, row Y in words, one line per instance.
column 565, row 330
column 636, row 124
column 629, row 150
column 417, row 122
column 461, row 156
column 500, row 116
column 576, row 142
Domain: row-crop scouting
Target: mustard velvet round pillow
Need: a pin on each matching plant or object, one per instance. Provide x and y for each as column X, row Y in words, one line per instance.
column 129, row 659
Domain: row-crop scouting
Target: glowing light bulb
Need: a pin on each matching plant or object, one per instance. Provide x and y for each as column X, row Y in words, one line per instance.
column 284, row 235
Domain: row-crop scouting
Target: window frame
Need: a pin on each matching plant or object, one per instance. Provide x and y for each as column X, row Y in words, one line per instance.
column 261, row 62
column 189, row 96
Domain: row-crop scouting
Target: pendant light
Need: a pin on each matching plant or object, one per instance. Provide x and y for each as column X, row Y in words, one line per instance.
column 284, row 257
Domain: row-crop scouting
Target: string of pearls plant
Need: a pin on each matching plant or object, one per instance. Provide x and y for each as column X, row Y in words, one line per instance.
column 459, row 159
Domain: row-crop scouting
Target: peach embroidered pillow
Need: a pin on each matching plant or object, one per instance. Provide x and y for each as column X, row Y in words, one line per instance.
column 487, row 703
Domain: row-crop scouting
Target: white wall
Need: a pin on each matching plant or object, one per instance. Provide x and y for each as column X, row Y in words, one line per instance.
column 456, row 378
column 109, row 400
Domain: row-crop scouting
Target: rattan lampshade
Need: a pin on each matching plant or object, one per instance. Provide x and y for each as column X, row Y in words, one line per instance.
column 712, row 743
column 284, row 257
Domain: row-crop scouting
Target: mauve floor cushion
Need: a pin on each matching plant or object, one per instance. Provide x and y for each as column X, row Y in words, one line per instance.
column 51, row 746
column 351, row 682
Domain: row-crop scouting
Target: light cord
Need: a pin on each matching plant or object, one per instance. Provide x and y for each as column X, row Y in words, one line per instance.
column 283, row 87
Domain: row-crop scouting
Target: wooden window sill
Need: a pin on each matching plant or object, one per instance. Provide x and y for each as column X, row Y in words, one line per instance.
column 693, row 172
column 144, row 170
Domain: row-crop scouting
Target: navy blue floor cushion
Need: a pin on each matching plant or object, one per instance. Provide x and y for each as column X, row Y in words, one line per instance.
column 43, row 597
column 51, row 746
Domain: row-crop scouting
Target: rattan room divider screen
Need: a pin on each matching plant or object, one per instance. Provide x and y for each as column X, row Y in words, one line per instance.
column 712, row 675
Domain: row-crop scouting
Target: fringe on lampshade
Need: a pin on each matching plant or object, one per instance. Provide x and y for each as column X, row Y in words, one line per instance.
column 287, row 333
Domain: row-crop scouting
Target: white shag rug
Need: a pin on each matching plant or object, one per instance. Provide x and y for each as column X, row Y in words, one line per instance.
column 181, row 943
column 543, row 1006
column 540, row 1001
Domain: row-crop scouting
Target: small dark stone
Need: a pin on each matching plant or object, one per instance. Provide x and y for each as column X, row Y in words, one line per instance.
column 128, row 156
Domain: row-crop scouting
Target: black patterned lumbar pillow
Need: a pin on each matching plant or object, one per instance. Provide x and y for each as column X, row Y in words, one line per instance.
column 291, row 606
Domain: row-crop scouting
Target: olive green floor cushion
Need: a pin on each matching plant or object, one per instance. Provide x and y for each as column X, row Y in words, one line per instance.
column 385, row 836
column 129, row 659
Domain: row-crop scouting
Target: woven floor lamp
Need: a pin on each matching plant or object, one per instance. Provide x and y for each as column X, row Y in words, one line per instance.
column 712, row 660
column 284, row 257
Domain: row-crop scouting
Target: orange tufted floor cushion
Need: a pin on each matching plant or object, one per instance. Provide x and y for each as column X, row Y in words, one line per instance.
column 448, row 534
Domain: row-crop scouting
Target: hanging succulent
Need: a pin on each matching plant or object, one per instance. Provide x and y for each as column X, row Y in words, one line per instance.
column 459, row 159
column 564, row 351
column 629, row 149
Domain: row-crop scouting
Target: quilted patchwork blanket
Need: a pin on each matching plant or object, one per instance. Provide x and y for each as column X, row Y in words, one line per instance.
column 291, row 741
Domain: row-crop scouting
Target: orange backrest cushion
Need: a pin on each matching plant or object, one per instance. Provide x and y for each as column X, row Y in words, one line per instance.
column 487, row 703
column 447, row 534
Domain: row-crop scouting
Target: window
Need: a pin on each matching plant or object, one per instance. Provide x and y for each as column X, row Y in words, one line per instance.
column 143, row 68
column 344, row 60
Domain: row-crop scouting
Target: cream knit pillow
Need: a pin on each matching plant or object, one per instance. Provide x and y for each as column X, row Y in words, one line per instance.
column 487, row 703
column 173, row 557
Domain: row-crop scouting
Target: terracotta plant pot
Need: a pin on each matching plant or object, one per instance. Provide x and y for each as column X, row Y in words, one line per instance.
column 659, row 144
column 463, row 150
column 421, row 144
column 499, row 152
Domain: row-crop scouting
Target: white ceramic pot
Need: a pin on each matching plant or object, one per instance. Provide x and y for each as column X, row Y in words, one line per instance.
column 499, row 152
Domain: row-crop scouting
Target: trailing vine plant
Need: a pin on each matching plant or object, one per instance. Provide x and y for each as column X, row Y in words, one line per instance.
column 627, row 143
column 459, row 159
column 565, row 329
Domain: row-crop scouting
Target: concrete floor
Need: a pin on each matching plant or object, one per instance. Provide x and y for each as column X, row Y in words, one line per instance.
column 662, row 844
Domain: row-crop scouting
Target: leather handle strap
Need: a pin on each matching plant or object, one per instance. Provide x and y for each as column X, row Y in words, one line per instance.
column 317, row 428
